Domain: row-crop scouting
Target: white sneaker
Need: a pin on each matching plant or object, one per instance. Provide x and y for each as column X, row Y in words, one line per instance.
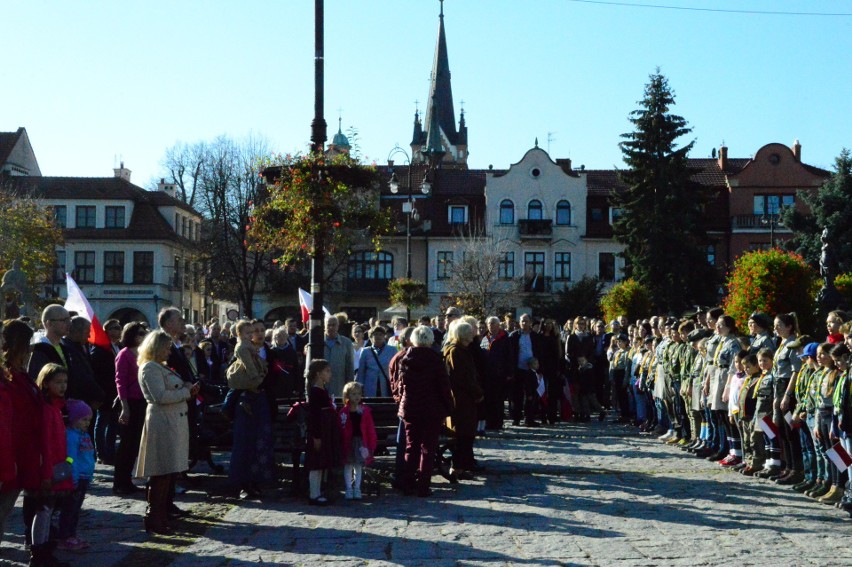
column 666, row 436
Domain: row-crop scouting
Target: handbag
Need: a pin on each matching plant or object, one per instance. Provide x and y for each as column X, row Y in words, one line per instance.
column 239, row 378
column 62, row 471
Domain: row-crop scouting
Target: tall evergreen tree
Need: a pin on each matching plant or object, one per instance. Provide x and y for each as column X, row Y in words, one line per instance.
column 661, row 222
column 831, row 208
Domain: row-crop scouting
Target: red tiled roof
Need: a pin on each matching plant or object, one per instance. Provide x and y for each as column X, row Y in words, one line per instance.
column 106, row 188
column 146, row 222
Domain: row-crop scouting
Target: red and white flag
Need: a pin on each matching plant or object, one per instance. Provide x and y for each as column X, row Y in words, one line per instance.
column 788, row 417
column 306, row 303
column 768, row 427
column 839, row 457
column 78, row 303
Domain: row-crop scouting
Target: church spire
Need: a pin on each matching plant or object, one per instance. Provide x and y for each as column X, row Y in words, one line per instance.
column 439, row 126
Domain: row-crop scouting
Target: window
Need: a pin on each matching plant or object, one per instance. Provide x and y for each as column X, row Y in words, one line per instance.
column 614, row 214
column 84, row 266
column 85, row 217
column 534, row 271
column 113, row 267
column 114, row 217
column 711, row 254
column 187, row 275
column 60, row 216
column 177, row 223
column 506, row 267
column 371, row 266
column 771, row 204
column 507, row 212
column 185, row 228
column 445, row 265
column 606, row 266
column 59, row 268
column 563, row 213
column 143, row 267
column 562, row 266
column 597, row 214
column 458, row 214
column 535, row 210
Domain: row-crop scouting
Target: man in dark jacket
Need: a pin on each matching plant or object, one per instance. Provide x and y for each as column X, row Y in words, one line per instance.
column 82, row 384
column 525, row 345
column 103, row 367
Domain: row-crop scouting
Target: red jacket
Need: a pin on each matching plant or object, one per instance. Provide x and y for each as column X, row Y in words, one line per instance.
column 27, row 419
column 8, row 471
column 368, row 431
column 55, row 444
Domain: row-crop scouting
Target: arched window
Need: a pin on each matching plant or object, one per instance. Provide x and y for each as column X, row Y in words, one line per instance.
column 507, row 212
column 534, row 210
column 371, row 266
column 563, row 212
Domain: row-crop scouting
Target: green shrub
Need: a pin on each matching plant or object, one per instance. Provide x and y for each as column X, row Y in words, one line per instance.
column 843, row 283
column 629, row 298
column 772, row 281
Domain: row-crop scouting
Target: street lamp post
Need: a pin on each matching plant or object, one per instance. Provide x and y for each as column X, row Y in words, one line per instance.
column 318, row 138
column 408, row 207
column 771, row 221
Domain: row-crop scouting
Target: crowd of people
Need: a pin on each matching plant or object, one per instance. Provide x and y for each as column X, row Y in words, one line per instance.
column 769, row 402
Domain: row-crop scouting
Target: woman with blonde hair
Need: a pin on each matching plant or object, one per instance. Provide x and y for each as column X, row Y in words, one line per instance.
column 164, row 448
column 461, row 368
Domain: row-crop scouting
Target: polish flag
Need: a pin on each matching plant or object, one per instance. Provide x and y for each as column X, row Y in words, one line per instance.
column 306, row 303
column 78, row 303
column 768, row 427
column 788, row 417
column 839, row 457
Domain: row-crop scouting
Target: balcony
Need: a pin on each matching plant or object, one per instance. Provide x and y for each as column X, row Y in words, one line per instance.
column 540, row 284
column 367, row 285
column 535, row 229
column 757, row 222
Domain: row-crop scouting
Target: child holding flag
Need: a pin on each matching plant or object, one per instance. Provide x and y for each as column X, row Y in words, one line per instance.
column 764, row 394
column 826, row 381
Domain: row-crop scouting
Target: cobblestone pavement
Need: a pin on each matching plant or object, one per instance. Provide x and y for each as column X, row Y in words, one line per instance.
column 565, row 495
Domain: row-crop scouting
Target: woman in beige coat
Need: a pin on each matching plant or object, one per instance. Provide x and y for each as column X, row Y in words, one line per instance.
column 164, row 449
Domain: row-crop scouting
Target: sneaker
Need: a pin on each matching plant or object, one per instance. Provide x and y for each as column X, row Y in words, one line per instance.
column 833, row 496
column 666, row 436
column 733, row 462
column 804, row 486
column 673, row 440
column 819, row 491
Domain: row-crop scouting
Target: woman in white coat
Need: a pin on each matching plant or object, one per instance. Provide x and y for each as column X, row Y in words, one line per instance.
column 164, row 449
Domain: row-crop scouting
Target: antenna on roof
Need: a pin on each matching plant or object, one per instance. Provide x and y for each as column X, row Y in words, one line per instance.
column 550, row 138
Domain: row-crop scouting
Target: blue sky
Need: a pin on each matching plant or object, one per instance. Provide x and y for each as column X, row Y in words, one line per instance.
column 94, row 80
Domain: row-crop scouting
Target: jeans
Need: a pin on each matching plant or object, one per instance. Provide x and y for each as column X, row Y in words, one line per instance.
column 821, row 461
column 809, row 462
column 106, row 427
column 69, row 509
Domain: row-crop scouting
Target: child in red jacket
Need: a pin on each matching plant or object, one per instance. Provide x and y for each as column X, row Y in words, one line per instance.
column 56, row 479
column 359, row 438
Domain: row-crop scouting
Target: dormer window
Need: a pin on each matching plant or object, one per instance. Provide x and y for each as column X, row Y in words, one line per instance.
column 507, row 212
column 115, row 217
column 85, row 217
column 457, row 214
column 534, row 210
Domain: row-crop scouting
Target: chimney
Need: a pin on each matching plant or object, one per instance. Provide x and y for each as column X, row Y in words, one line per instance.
column 169, row 189
column 723, row 157
column 564, row 163
column 122, row 172
column 797, row 150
